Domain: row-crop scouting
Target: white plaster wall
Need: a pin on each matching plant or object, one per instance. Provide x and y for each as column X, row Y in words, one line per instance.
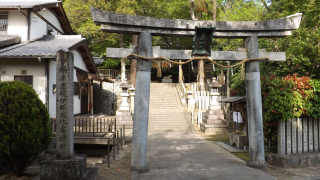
column 17, row 24
column 38, row 27
column 37, row 70
column 52, row 80
column 78, row 61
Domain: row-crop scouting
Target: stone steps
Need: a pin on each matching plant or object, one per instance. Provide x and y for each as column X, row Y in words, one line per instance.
column 165, row 113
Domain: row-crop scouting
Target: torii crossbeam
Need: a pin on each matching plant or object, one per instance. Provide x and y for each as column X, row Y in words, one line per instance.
column 148, row 26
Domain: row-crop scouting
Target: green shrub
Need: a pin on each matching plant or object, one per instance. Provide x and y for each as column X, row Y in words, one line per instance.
column 25, row 129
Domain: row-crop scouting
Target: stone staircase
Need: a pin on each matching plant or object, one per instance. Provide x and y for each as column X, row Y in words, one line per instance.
column 165, row 111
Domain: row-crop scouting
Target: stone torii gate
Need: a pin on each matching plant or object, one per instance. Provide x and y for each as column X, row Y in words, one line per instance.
column 145, row 27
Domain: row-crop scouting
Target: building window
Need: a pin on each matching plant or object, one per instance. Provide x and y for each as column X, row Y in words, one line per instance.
column 26, row 79
column 3, row 22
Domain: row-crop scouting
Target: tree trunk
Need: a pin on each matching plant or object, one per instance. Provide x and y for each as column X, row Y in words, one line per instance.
column 214, row 10
column 134, row 62
column 229, row 5
column 192, row 9
column 121, row 40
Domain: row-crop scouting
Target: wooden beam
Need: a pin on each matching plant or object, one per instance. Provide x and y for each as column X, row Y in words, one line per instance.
column 45, row 20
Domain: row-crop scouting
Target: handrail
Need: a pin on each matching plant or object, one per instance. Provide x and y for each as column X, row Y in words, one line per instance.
column 182, row 92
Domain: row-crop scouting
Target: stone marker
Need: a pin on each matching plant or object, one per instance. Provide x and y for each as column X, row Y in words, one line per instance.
column 294, row 136
column 281, row 137
column 299, row 134
column 288, row 136
column 64, row 105
column 310, row 123
column 305, row 134
column 66, row 166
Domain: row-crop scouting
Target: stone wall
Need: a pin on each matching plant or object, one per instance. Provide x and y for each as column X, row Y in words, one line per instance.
column 111, row 99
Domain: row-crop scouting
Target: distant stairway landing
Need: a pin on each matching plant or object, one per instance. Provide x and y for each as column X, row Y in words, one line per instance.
column 165, row 111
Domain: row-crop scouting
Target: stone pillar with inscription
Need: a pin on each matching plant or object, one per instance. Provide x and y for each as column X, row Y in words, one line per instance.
column 65, row 165
column 64, row 105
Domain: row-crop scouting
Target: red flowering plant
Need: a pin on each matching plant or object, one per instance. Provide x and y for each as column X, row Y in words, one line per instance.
column 286, row 98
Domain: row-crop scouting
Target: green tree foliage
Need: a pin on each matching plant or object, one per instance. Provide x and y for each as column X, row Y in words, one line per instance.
column 302, row 47
column 25, row 128
column 286, row 98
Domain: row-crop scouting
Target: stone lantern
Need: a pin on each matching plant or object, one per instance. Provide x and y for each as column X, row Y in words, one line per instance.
column 124, row 105
column 132, row 94
column 214, row 85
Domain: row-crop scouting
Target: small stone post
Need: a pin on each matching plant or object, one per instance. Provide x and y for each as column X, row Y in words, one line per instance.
column 132, row 89
column 254, row 105
column 141, row 104
column 64, row 106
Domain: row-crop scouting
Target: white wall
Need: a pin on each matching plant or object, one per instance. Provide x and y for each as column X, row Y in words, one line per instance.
column 17, row 24
column 78, row 62
column 37, row 70
column 38, row 27
column 52, row 80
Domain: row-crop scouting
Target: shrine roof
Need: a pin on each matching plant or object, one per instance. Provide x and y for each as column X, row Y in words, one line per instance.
column 233, row 99
column 26, row 3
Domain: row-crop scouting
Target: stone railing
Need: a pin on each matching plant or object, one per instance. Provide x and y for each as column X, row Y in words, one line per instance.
column 299, row 135
column 90, row 124
column 182, row 92
column 201, row 97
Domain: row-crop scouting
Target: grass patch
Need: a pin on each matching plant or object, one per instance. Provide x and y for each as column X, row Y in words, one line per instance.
column 218, row 137
column 242, row 155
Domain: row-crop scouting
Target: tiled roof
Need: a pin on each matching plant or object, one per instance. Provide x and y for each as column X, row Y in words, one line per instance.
column 6, row 40
column 46, row 47
column 24, row 3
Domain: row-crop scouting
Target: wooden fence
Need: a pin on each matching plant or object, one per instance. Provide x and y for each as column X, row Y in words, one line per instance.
column 90, row 124
column 299, row 135
column 109, row 73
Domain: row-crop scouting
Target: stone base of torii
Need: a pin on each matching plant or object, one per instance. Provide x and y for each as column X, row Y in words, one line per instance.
column 145, row 27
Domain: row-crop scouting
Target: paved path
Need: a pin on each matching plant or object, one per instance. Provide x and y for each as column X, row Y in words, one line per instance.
column 187, row 156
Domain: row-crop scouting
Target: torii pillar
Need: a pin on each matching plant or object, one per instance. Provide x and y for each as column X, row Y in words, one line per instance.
column 141, row 104
column 254, row 105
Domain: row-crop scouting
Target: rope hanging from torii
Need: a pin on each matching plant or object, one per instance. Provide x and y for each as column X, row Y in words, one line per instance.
column 192, row 59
